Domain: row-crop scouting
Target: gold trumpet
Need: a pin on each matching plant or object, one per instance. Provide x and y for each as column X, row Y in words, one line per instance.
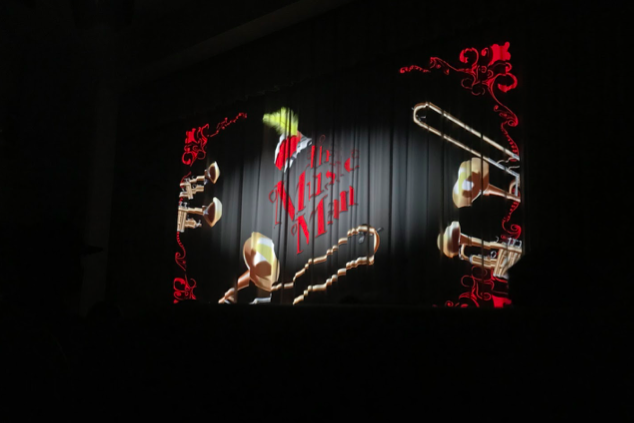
column 262, row 266
column 211, row 213
column 473, row 180
column 504, row 254
column 189, row 189
column 192, row 186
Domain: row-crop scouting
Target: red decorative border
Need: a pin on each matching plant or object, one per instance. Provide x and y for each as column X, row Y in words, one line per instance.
column 485, row 71
column 184, row 289
column 195, row 144
column 481, row 78
column 515, row 230
column 180, row 257
column 481, row 287
column 196, row 139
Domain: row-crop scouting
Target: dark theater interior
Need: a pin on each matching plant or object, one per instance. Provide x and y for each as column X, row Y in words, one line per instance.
column 385, row 209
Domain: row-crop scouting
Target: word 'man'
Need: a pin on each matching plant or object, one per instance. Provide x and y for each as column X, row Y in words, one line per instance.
column 317, row 189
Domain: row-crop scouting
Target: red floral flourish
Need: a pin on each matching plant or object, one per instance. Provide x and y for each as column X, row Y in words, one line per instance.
column 184, row 289
column 514, row 230
column 485, row 71
column 481, row 287
column 195, row 143
column 479, row 284
column 180, row 255
column 196, row 140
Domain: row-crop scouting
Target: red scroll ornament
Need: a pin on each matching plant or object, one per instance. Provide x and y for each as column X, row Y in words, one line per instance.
column 195, row 144
column 183, row 287
column 482, row 73
column 196, row 139
column 486, row 72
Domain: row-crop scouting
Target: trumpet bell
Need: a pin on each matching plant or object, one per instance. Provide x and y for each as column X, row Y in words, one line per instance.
column 449, row 241
column 473, row 179
column 260, row 258
column 212, row 173
column 213, row 212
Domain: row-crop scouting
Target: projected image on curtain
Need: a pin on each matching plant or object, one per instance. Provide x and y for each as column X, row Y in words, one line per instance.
column 380, row 185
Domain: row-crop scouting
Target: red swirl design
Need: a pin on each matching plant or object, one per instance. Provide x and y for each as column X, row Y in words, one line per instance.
column 196, row 139
column 514, row 230
column 180, row 257
column 195, row 144
column 184, row 289
column 485, row 72
column 482, row 77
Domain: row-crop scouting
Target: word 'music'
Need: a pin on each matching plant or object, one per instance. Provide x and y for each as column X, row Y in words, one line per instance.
column 318, row 190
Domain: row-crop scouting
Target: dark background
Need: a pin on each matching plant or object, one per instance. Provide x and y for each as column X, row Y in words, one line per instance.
column 92, row 112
